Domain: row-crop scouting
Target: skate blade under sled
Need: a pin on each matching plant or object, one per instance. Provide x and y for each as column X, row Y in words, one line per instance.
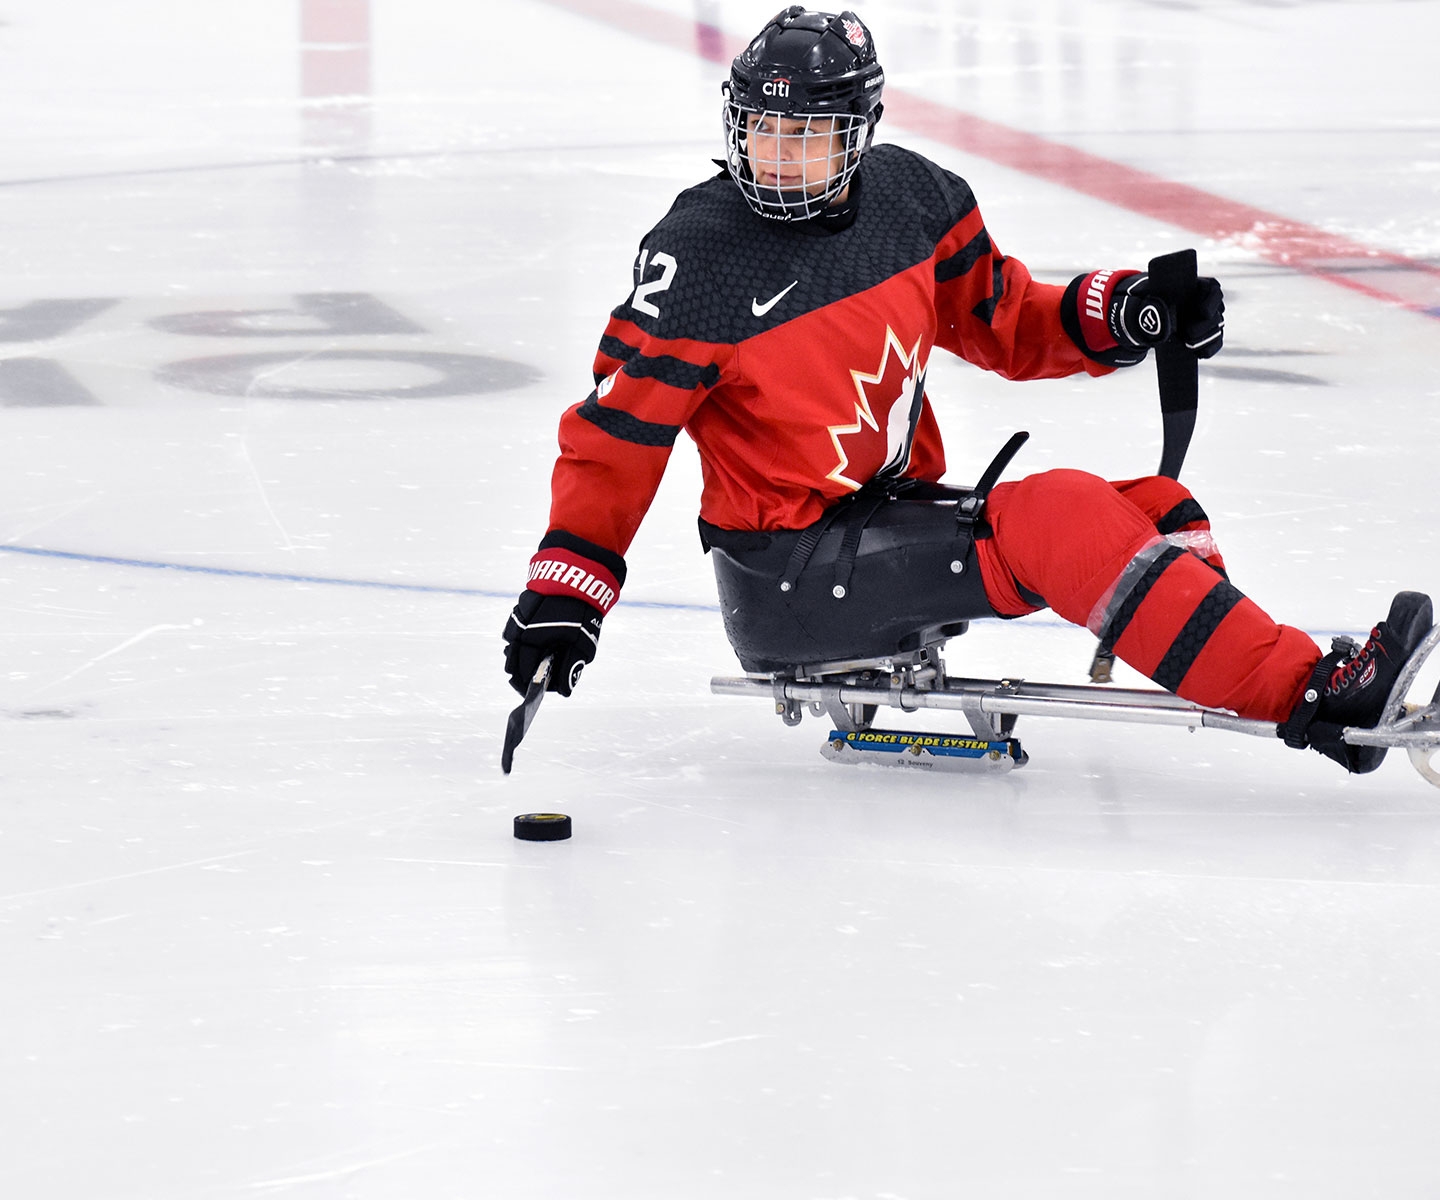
column 851, row 694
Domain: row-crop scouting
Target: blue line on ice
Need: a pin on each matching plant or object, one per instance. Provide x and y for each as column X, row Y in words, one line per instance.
column 387, row 586
column 326, row 580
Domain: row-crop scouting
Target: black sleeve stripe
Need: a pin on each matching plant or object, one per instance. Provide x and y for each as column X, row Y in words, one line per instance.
column 627, row 428
column 613, row 347
column 985, row 310
column 964, row 259
column 1187, row 512
column 1198, row 630
column 674, row 372
column 1120, row 621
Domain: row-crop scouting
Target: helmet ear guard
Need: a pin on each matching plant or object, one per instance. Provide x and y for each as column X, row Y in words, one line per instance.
column 811, row 67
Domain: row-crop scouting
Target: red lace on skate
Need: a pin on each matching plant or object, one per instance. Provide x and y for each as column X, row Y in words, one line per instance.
column 1345, row 674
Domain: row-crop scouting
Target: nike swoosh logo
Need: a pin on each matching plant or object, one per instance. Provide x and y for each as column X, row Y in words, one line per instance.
column 761, row 309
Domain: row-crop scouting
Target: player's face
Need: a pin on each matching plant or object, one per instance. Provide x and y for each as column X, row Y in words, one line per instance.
column 794, row 153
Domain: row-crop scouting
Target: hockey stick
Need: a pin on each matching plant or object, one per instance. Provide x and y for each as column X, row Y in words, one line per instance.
column 518, row 722
column 1178, row 373
column 1176, row 366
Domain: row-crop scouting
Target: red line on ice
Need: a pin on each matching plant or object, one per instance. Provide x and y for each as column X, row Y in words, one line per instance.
column 1309, row 249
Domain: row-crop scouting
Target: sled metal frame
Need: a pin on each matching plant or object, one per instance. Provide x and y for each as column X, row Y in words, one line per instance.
column 852, row 692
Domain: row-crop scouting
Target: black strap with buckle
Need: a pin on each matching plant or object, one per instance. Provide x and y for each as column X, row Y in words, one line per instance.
column 1295, row 729
column 973, row 505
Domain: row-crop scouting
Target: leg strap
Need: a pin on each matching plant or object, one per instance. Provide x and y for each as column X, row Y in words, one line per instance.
column 974, row 504
column 1296, row 730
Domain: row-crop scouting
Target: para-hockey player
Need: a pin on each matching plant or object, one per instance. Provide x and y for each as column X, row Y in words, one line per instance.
column 782, row 314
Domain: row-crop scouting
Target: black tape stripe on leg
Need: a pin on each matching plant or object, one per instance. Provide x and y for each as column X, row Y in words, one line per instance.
column 1197, row 631
column 1187, row 512
column 1122, row 616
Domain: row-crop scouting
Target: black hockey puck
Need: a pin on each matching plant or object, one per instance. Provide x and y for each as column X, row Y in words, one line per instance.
column 542, row 827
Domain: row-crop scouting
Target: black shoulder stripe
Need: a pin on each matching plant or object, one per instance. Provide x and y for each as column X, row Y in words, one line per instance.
column 627, row 428
column 985, row 310
column 674, row 372
column 1187, row 512
column 1198, row 630
column 964, row 259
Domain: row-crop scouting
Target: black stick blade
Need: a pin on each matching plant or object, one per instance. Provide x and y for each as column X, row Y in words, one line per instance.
column 518, row 723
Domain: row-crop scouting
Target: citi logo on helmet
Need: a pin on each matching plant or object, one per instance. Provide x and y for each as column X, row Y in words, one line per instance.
column 776, row 87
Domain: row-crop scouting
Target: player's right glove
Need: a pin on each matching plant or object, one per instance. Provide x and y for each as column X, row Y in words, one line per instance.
column 572, row 585
column 541, row 627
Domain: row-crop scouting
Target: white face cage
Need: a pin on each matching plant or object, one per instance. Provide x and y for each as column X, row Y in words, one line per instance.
column 791, row 167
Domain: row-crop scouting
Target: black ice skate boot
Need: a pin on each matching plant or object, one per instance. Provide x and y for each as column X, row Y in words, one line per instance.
column 1350, row 685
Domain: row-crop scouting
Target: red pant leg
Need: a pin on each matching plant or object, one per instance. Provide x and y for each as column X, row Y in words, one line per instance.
column 1098, row 560
column 1173, row 510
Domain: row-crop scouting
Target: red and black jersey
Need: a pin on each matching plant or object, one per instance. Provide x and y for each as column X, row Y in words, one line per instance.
column 794, row 355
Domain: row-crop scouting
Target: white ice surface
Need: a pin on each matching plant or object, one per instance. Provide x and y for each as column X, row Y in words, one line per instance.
column 264, row 929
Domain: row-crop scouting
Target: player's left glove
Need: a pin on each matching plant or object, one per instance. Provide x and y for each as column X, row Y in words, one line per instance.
column 1116, row 316
column 1143, row 315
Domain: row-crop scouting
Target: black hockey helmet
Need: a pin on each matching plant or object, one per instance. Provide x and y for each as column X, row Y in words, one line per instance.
column 812, row 66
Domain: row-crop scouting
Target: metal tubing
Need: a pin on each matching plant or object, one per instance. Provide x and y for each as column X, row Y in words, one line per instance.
column 1020, row 699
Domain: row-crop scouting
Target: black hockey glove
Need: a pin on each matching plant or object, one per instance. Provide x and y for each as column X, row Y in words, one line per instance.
column 1145, row 316
column 1116, row 316
column 572, row 585
column 544, row 626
